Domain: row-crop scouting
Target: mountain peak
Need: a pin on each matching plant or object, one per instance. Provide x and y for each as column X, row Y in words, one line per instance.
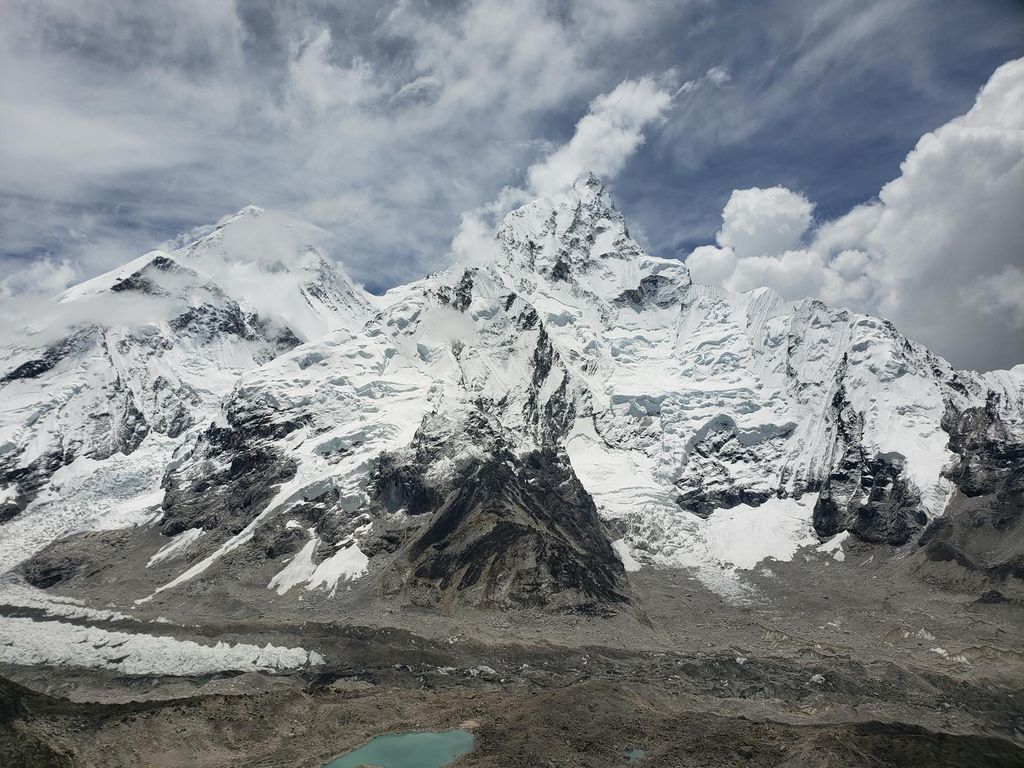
column 588, row 191
column 267, row 261
column 119, row 276
column 590, row 186
column 569, row 231
column 254, row 249
column 261, row 237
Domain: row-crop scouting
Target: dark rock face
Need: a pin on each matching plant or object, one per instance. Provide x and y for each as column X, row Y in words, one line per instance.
column 53, row 355
column 460, row 296
column 172, row 415
column 709, row 483
column 865, row 494
column 44, row 571
column 989, row 459
column 78, row 555
column 985, row 537
column 554, row 419
column 871, row 499
column 233, row 473
column 983, row 529
column 515, row 533
column 992, row 597
column 703, row 503
column 126, row 423
column 207, row 321
column 561, row 270
column 145, row 281
column 464, row 292
column 655, row 290
column 276, row 540
column 400, row 486
column 29, row 480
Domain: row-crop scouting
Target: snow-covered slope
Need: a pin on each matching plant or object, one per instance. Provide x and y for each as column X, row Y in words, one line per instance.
column 270, row 264
column 99, row 390
column 519, row 433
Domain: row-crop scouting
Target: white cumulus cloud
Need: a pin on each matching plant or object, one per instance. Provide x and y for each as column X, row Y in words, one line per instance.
column 938, row 252
column 710, row 265
column 761, row 222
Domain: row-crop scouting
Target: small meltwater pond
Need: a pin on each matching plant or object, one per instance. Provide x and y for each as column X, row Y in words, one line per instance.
column 408, row 750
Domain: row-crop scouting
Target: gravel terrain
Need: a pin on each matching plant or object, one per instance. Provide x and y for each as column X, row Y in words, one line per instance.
column 822, row 663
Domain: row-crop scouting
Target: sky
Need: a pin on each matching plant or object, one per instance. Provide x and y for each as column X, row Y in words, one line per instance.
column 837, row 149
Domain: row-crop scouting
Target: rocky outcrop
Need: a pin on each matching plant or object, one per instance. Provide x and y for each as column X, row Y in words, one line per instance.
column 871, row 499
column 79, row 556
column 516, row 532
column 866, row 494
column 983, row 528
column 990, row 457
column 231, row 475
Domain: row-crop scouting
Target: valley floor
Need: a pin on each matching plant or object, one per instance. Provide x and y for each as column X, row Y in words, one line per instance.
column 823, row 663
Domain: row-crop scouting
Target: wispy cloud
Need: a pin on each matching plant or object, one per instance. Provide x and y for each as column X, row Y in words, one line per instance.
column 605, row 137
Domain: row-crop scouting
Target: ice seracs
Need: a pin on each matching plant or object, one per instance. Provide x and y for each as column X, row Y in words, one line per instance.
column 29, row 642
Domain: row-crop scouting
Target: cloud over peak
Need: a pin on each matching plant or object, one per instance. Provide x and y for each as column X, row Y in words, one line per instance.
column 605, row 137
column 603, row 140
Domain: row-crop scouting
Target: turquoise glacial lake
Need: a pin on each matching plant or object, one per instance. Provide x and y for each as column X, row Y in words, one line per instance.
column 408, row 750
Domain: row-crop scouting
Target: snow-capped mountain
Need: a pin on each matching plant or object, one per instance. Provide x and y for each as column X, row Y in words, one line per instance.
column 512, row 434
column 121, row 367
